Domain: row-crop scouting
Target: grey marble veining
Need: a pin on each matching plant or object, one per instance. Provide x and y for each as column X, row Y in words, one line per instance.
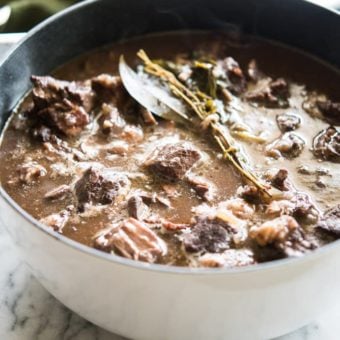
column 29, row 312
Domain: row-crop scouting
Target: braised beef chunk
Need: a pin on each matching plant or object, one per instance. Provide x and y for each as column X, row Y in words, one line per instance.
column 250, row 193
column 61, row 105
column 133, row 240
column 137, row 208
column 56, row 221
column 279, row 180
column 290, row 145
column 234, row 75
column 330, row 110
column 108, row 88
column 330, row 221
column 326, row 145
column 112, row 121
column 271, row 94
column 282, row 236
column 42, row 133
column 288, row 122
column 208, row 235
column 202, row 186
column 303, row 208
column 100, row 186
column 172, row 161
column 30, row 171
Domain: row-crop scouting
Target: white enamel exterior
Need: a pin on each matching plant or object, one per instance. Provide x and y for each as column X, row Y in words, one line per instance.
column 140, row 301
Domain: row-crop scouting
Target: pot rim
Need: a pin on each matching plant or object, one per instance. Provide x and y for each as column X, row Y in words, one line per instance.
column 161, row 268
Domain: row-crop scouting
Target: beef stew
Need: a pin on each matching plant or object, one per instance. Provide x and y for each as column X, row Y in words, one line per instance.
column 246, row 172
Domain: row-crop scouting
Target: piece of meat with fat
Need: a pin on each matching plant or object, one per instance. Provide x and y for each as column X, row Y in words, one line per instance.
column 330, row 221
column 112, row 122
column 288, row 121
column 249, row 193
column 137, row 208
column 239, row 207
column 304, row 209
column 204, row 188
column 172, row 161
column 234, row 74
column 61, row 105
column 109, row 89
column 31, row 171
column 275, row 230
column 289, row 145
column 330, row 110
column 270, row 93
column 279, row 179
column 56, row 221
column 132, row 239
column 280, row 237
column 326, row 145
column 100, row 186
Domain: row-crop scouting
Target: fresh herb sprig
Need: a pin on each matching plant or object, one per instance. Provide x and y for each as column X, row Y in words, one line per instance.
column 203, row 105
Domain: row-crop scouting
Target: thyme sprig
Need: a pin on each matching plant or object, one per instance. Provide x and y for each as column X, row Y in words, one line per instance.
column 203, row 105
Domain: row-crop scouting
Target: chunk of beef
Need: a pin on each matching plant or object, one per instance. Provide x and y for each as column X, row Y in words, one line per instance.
column 137, row 208
column 280, row 207
column 229, row 258
column 326, row 145
column 100, row 186
column 108, row 88
column 330, row 222
column 132, row 239
column 112, row 121
column 234, row 75
column 43, row 133
column 279, row 180
column 280, row 237
column 249, row 193
column 58, row 192
column 270, row 94
column 289, row 145
column 202, row 186
column 172, row 161
column 30, row 171
column 209, row 235
column 299, row 206
column 56, row 221
column 133, row 134
column 61, row 105
column 273, row 231
column 288, row 121
column 239, row 207
column 304, row 209
column 330, row 110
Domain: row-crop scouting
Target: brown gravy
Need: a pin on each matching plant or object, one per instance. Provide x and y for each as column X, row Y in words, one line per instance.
column 32, row 167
